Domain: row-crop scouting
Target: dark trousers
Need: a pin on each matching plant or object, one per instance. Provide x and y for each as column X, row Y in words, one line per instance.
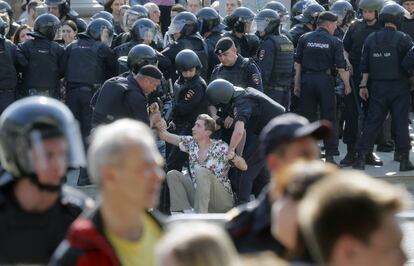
column 78, row 100
column 281, row 96
column 387, row 96
column 176, row 158
column 165, row 18
column 255, row 178
column 317, row 89
column 7, row 97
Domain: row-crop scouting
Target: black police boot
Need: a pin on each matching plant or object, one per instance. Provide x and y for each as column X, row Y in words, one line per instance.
column 372, row 159
column 385, row 147
column 359, row 163
column 405, row 163
column 83, row 179
column 397, row 156
column 349, row 158
column 330, row 159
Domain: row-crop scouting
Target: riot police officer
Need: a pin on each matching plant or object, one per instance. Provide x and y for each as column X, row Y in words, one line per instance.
column 131, row 15
column 8, row 68
column 234, row 68
column 353, row 41
column 42, row 58
column 62, row 10
column 189, row 102
column 104, row 15
column 275, row 57
column 283, row 15
column 346, row 15
column 242, row 33
column 250, row 110
column 318, row 54
column 184, row 32
column 381, row 60
column 122, row 97
column 297, row 9
column 39, row 142
column 307, row 22
column 12, row 26
column 212, row 30
column 89, row 62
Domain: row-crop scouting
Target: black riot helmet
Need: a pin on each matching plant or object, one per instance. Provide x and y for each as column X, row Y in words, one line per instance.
column 278, row 7
column 101, row 30
column 81, row 24
column 241, row 20
column 141, row 55
column 344, row 11
column 371, row 5
column 186, row 60
column 64, row 7
column 392, row 13
column 6, row 8
column 46, row 25
column 143, row 29
column 133, row 14
column 105, row 15
column 208, row 18
column 185, row 23
column 299, row 7
column 26, row 123
column 310, row 14
column 3, row 27
column 220, row 92
column 268, row 22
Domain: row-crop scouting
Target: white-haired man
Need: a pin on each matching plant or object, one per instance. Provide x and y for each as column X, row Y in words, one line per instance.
column 125, row 163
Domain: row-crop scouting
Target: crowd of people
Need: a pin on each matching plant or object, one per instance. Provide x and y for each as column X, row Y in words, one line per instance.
column 172, row 111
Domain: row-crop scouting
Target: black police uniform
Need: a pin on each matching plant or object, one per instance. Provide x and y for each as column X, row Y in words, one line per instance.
column 407, row 27
column 190, row 101
column 255, row 109
column 244, row 73
column 275, row 61
column 43, row 66
column 297, row 31
column 353, row 41
column 389, row 89
column 8, row 73
column 319, row 53
column 247, row 45
column 193, row 42
column 250, row 227
column 88, row 64
column 211, row 41
column 32, row 237
column 120, row 97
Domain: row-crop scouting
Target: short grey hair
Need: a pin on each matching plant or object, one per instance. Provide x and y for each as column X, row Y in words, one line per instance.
column 151, row 6
column 109, row 142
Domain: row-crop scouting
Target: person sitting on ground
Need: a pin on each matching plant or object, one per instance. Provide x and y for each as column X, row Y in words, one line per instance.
column 206, row 187
column 349, row 220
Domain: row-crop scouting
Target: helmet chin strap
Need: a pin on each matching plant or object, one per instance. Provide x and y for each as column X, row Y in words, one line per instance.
column 43, row 187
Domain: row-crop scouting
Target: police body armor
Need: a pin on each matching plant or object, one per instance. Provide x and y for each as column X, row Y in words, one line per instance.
column 283, row 61
column 196, row 43
column 384, row 59
column 268, row 109
column 85, row 66
column 358, row 34
column 124, row 48
column 8, row 73
column 41, row 59
column 110, row 101
column 237, row 75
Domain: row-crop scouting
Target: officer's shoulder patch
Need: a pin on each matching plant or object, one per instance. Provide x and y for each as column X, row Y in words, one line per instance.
column 262, row 54
column 256, row 78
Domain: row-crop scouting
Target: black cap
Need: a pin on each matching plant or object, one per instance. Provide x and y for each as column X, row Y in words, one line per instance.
column 288, row 127
column 150, row 71
column 223, row 45
column 327, row 16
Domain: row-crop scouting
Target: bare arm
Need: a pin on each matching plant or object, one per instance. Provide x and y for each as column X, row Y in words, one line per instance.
column 363, row 90
column 238, row 161
column 165, row 135
column 345, row 75
column 237, row 135
column 298, row 72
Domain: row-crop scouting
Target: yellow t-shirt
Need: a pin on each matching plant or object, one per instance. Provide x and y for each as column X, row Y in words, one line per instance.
column 141, row 252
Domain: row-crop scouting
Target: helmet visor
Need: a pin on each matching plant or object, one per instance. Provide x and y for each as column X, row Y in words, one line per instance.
column 261, row 24
column 106, row 36
column 147, row 34
column 176, row 26
column 129, row 18
column 250, row 27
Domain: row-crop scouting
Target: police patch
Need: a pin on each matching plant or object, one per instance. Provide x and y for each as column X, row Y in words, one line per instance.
column 256, row 78
column 261, row 54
